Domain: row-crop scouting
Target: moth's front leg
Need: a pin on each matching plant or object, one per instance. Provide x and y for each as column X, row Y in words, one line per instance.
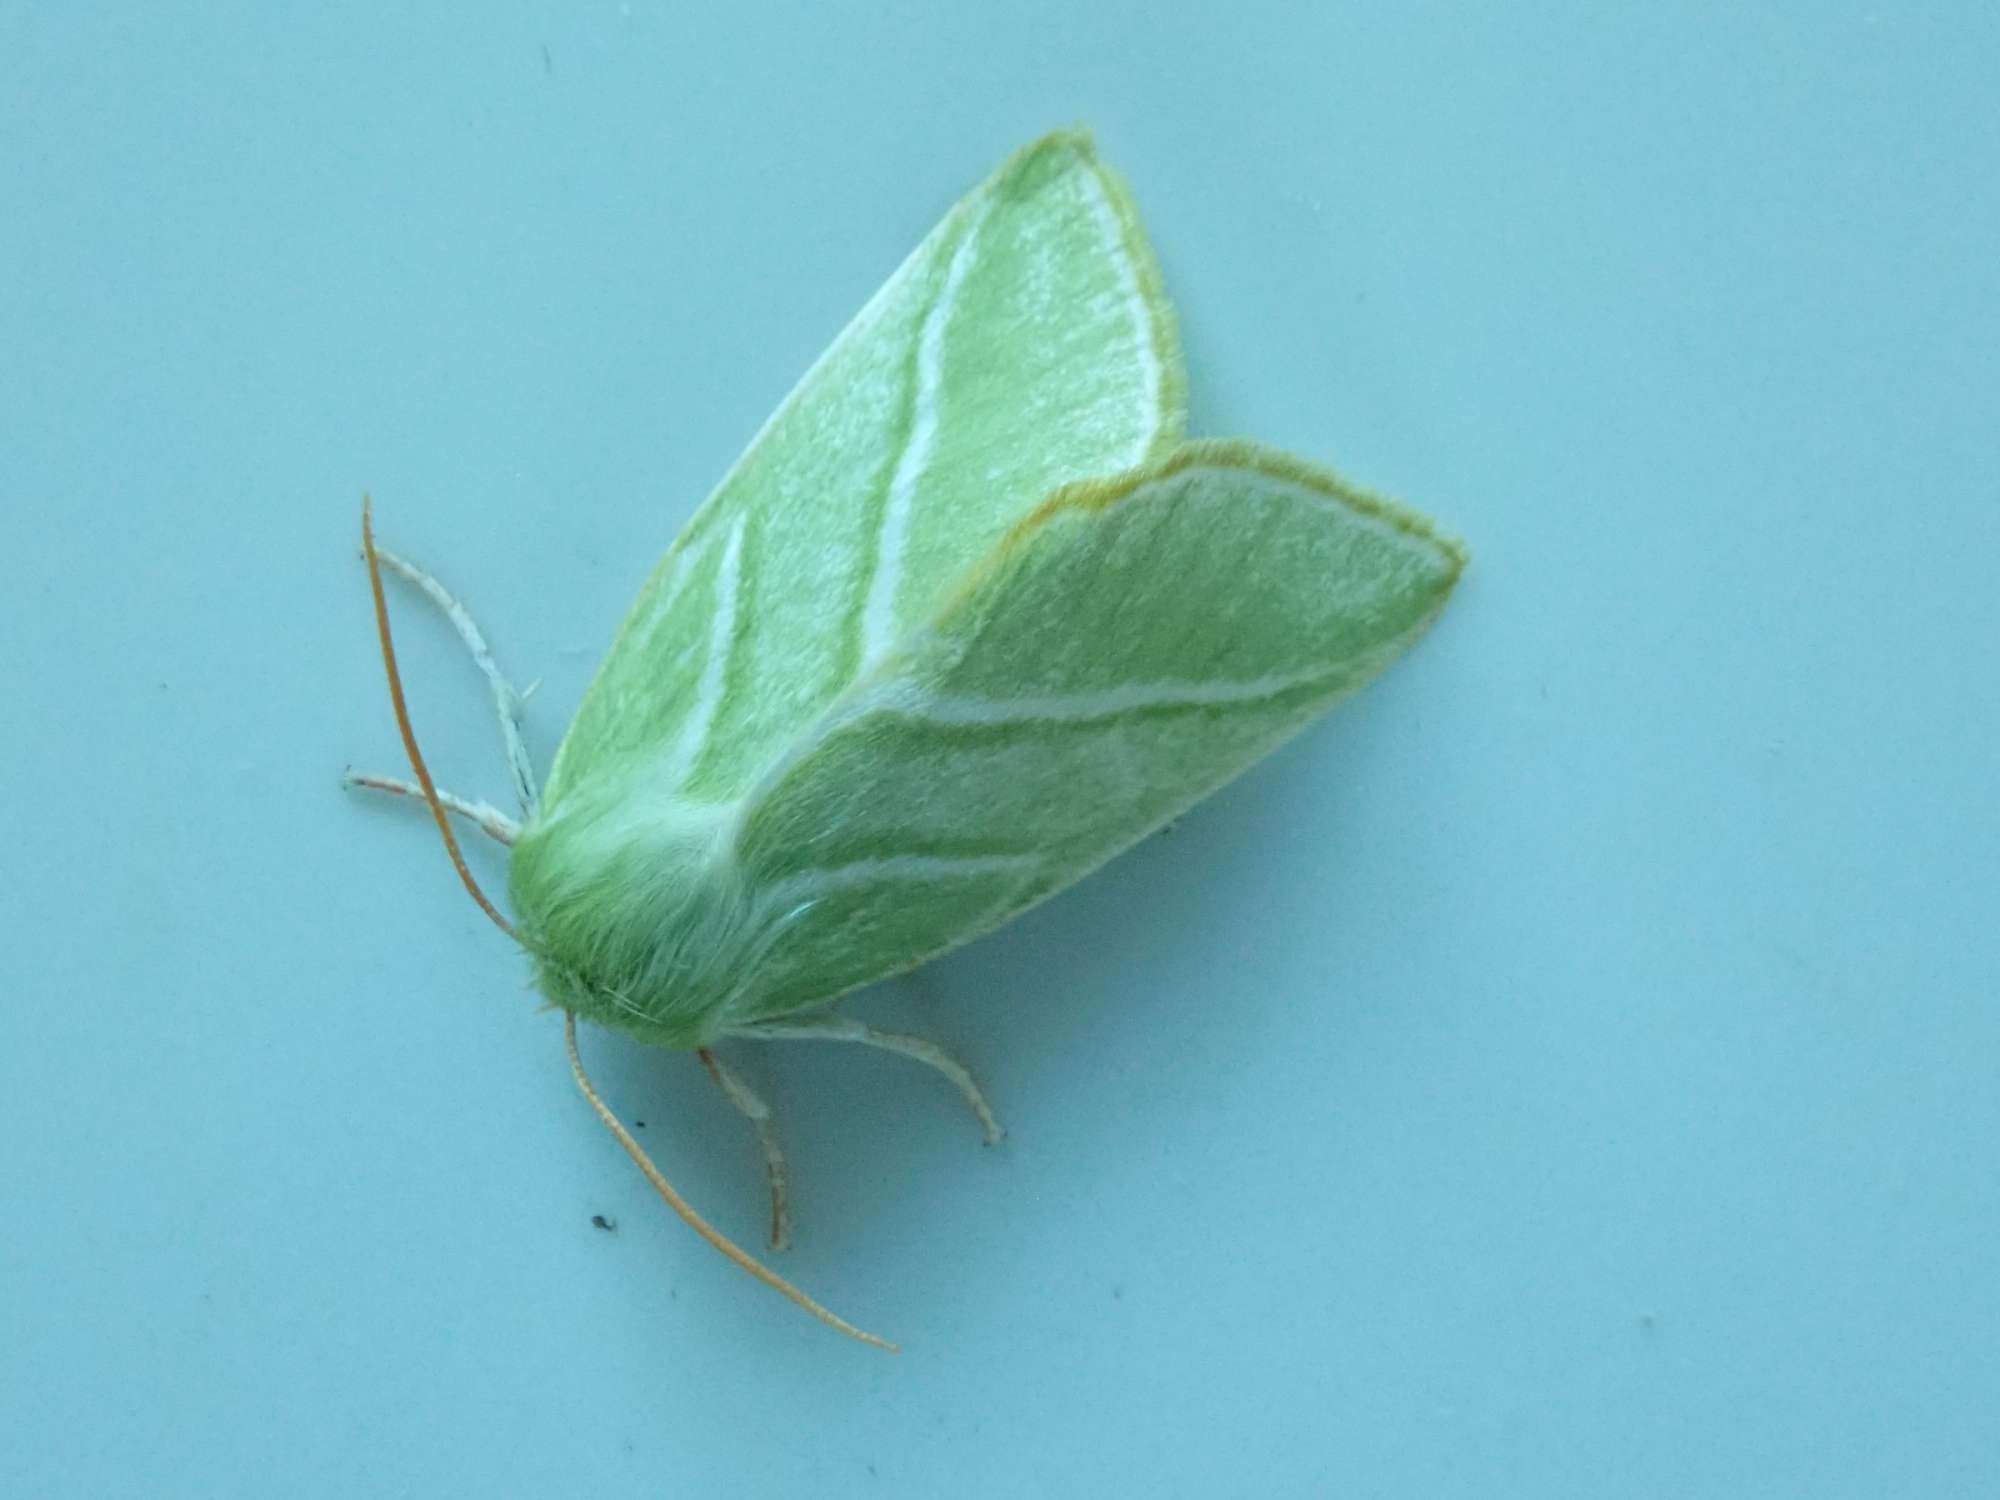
column 490, row 821
column 507, row 699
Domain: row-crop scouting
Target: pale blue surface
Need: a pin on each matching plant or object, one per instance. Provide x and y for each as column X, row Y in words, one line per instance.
column 1575, row 1070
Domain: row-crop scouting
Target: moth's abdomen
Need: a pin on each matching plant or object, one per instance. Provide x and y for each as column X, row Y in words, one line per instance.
column 634, row 913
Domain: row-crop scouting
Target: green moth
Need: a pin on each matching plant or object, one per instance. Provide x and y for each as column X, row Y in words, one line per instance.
column 970, row 616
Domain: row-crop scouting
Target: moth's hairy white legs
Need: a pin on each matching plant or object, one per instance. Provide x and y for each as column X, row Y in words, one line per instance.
column 843, row 1029
column 490, row 821
column 750, row 1104
column 505, row 698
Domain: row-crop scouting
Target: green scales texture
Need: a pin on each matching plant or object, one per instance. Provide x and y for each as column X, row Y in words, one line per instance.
column 967, row 619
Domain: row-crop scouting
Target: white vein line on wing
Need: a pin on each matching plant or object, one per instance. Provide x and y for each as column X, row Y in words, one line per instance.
column 663, row 591
column 1109, row 703
column 900, row 699
column 680, row 573
column 699, row 722
column 808, row 884
column 878, row 614
column 858, row 328
column 1148, row 357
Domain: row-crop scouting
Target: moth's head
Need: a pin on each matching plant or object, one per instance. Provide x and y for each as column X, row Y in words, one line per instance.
column 632, row 915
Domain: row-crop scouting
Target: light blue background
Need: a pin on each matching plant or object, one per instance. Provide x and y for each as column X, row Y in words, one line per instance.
column 1573, row 1070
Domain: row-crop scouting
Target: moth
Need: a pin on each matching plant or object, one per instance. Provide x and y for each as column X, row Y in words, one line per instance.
column 969, row 616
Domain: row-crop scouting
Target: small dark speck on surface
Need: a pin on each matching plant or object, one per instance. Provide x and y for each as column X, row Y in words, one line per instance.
column 1118, row 1294
column 548, row 62
column 1648, row 1322
column 603, row 1223
column 638, row 1124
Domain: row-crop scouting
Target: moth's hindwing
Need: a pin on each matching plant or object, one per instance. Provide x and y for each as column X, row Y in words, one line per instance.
column 1133, row 645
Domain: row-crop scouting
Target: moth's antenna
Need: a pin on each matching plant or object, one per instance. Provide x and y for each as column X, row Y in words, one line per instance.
column 693, row 1220
column 423, row 771
column 633, row 1149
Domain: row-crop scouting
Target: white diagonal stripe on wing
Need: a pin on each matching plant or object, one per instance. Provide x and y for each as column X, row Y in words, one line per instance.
column 699, row 721
column 1108, row 702
column 807, row 884
column 878, row 615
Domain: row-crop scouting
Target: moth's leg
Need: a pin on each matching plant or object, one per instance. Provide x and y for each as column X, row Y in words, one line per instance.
column 490, row 821
column 842, row 1029
column 505, row 698
column 753, row 1108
